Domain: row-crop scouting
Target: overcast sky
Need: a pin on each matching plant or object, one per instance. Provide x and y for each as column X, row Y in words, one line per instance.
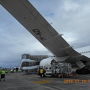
column 69, row 17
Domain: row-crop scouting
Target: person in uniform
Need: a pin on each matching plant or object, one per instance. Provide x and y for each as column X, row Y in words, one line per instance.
column 3, row 75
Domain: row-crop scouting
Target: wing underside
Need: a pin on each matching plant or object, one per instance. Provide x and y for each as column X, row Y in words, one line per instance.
column 32, row 20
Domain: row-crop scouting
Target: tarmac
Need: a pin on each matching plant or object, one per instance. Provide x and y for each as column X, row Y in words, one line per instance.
column 20, row 81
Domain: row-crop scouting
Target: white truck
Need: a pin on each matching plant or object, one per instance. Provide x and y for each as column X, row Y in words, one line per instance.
column 54, row 68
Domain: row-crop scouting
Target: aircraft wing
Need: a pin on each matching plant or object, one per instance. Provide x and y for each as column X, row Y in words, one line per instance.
column 32, row 20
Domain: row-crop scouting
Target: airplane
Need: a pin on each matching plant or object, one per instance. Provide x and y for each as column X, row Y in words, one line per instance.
column 33, row 21
column 30, row 63
column 29, row 66
column 34, row 57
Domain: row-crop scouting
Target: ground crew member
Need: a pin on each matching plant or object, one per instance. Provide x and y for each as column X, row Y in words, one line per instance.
column 3, row 75
column 0, row 74
column 42, row 72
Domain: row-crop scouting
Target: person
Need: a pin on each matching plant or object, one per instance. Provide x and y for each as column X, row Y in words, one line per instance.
column 42, row 72
column 3, row 75
column 17, row 69
column 0, row 74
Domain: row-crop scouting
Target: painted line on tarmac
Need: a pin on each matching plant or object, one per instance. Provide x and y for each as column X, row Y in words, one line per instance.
column 42, row 82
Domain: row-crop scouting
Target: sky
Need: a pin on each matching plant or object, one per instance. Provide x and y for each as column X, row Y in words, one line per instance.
column 69, row 17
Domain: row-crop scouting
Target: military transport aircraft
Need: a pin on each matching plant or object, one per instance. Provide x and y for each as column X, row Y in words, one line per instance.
column 32, row 20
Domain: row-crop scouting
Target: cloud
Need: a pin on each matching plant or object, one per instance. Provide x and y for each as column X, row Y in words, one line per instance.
column 69, row 17
column 16, row 40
